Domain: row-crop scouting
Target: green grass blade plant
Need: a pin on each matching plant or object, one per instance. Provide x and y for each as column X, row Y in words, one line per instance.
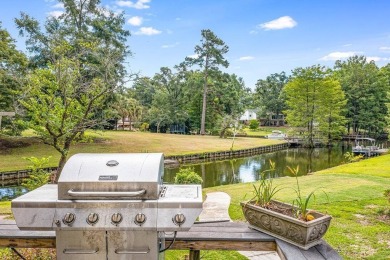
column 301, row 203
column 265, row 190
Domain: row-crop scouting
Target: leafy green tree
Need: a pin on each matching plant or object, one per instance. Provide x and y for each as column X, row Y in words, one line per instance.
column 13, row 69
column 128, row 108
column 366, row 89
column 144, row 91
column 194, row 80
column 268, row 94
column 79, row 59
column 385, row 70
column 172, row 86
column 159, row 113
column 209, row 57
column 315, row 102
column 37, row 176
column 58, row 111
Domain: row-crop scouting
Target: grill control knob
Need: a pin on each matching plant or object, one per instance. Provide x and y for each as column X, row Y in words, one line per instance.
column 116, row 218
column 92, row 218
column 139, row 219
column 179, row 219
column 69, row 218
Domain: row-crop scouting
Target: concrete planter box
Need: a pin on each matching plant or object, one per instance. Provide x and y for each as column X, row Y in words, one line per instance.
column 297, row 232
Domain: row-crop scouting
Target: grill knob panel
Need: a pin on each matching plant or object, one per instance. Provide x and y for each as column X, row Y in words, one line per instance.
column 92, row 218
column 116, row 218
column 179, row 219
column 69, row 218
column 139, row 219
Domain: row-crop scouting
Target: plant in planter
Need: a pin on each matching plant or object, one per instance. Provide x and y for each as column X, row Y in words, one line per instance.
column 295, row 223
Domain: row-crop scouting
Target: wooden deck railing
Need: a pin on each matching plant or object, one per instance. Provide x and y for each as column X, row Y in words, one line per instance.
column 202, row 236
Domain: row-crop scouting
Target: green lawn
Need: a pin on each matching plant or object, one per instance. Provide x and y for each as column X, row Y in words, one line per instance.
column 127, row 142
column 360, row 228
column 265, row 130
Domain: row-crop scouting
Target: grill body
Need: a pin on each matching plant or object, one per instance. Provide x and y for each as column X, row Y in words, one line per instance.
column 110, row 206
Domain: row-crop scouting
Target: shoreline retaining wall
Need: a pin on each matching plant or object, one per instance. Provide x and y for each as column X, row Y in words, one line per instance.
column 8, row 176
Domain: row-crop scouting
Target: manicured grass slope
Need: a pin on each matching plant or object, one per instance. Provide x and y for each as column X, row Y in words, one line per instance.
column 128, row 142
column 360, row 228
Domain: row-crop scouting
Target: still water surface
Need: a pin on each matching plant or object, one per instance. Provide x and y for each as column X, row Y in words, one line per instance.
column 248, row 169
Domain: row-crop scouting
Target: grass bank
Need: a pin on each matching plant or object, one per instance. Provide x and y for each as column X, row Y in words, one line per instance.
column 126, row 142
column 360, row 228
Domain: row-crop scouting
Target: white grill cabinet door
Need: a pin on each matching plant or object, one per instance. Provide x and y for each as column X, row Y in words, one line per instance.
column 132, row 245
column 81, row 245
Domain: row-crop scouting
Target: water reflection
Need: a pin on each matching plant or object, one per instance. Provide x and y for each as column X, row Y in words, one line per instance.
column 248, row 169
column 7, row 193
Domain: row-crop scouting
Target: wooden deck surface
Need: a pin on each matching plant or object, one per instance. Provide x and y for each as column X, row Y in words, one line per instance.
column 202, row 236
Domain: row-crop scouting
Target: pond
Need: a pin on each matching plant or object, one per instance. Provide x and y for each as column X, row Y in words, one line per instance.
column 248, row 169
column 245, row 169
column 7, row 193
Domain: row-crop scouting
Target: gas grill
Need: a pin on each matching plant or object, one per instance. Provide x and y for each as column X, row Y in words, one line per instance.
column 110, row 206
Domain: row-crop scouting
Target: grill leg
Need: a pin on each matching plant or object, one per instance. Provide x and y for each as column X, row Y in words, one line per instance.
column 194, row 254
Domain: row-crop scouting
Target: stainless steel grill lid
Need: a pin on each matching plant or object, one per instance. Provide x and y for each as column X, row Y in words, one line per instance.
column 112, row 176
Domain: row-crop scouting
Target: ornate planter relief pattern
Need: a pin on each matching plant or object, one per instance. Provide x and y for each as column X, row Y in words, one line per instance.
column 297, row 232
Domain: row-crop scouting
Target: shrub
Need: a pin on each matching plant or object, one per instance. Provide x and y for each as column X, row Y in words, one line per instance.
column 144, row 127
column 350, row 157
column 228, row 133
column 253, row 124
column 38, row 176
column 187, row 176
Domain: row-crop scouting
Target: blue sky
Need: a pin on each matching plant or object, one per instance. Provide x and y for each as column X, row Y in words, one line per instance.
column 264, row 36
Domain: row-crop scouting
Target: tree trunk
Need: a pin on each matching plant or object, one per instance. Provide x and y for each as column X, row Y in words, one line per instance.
column 60, row 166
column 203, row 121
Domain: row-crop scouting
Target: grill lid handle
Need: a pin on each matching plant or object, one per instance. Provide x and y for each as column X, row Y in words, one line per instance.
column 81, row 251
column 139, row 251
column 106, row 193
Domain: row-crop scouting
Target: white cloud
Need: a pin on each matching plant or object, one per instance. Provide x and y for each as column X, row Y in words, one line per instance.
column 193, row 56
column 347, row 45
column 339, row 55
column 283, row 22
column 135, row 21
column 246, row 58
column 147, row 31
column 385, row 49
column 376, row 58
column 55, row 13
column 140, row 4
column 169, row 45
column 58, row 6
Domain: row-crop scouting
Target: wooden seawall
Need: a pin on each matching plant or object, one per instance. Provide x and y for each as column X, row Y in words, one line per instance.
column 9, row 177
column 212, row 156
